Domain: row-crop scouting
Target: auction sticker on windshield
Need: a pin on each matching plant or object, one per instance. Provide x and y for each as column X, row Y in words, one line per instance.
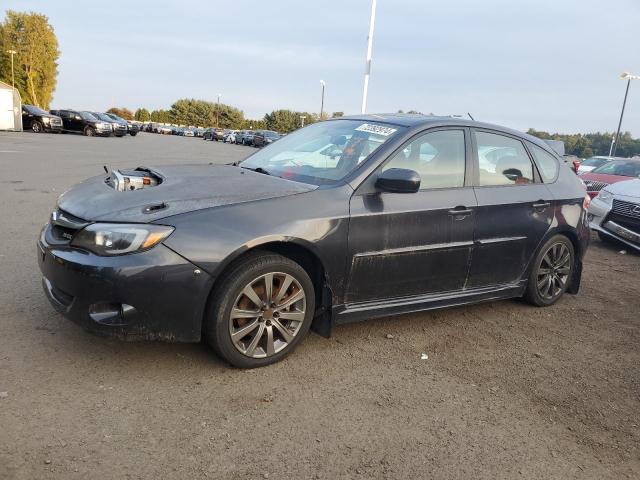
column 377, row 129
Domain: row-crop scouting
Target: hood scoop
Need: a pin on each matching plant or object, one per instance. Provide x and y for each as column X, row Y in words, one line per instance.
column 136, row 179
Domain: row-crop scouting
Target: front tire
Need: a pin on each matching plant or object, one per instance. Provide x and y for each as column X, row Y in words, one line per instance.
column 260, row 311
column 36, row 127
column 552, row 272
column 89, row 132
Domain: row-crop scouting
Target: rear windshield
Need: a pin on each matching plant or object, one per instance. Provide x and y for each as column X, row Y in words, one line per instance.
column 629, row 168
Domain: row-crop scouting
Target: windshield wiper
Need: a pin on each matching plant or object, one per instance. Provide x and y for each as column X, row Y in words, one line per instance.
column 257, row 169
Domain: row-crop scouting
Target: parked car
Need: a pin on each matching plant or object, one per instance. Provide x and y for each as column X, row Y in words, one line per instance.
column 119, row 128
column 38, row 120
column 610, row 172
column 247, row 137
column 83, row 122
column 250, row 255
column 230, row 136
column 188, row 133
column 131, row 127
column 239, row 136
column 264, row 137
column 592, row 163
column 615, row 213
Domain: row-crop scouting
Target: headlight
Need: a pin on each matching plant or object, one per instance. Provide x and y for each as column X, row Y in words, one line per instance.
column 605, row 197
column 108, row 239
column 46, row 119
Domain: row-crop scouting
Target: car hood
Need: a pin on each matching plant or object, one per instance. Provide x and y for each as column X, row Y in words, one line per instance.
column 627, row 188
column 183, row 188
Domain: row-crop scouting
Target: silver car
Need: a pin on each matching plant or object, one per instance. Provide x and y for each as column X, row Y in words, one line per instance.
column 615, row 213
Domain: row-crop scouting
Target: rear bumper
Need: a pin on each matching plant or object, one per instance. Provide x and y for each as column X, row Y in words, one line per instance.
column 152, row 295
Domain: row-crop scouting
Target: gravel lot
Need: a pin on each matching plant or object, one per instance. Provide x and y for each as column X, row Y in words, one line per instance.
column 507, row 391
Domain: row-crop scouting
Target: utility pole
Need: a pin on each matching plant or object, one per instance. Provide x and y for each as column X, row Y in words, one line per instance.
column 367, row 71
column 322, row 100
column 13, row 78
column 218, row 112
column 628, row 77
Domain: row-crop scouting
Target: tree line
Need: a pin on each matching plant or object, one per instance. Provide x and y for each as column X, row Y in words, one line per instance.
column 590, row 144
column 189, row 111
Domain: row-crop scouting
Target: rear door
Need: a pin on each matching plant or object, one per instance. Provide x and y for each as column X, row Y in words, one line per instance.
column 406, row 244
column 515, row 209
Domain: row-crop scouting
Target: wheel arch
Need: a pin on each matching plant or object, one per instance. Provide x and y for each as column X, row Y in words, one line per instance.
column 301, row 252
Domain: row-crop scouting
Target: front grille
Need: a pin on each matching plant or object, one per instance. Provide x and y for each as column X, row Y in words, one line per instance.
column 56, row 122
column 594, row 186
column 626, row 209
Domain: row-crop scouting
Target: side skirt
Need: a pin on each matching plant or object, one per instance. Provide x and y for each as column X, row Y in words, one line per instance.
column 357, row 312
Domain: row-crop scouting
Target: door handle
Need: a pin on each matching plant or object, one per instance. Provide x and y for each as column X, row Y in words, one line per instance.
column 541, row 205
column 460, row 212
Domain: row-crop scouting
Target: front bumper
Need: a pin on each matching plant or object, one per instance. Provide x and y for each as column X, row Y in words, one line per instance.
column 602, row 219
column 154, row 295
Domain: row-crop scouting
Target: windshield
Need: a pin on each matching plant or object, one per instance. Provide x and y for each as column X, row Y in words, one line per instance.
column 624, row 169
column 322, row 153
column 34, row 110
column 103, row 117
column 115, row 117
column 594, row 162
column 88, row 116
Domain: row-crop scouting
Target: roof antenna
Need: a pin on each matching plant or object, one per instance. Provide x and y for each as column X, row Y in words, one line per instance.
column 471, row 117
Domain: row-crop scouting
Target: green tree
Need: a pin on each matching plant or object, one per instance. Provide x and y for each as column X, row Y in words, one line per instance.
column 35, row 63
column 286, row 121
column 589, row 144
column 121, row 112
column 337, row 114
column 142, row 115
column 160, row 116
column 189, row 111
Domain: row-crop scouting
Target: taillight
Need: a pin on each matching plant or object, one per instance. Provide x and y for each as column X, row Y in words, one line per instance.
column 586, row 202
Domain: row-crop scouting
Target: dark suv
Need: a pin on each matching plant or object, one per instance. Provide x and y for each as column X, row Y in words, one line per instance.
column 83, row 122
column 38, row 120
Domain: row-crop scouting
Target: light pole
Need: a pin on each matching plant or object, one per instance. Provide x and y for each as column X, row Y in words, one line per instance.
column 218, row 112
column 628, row 77
column 322, row 100
column 367, row 70
column 13, row 78
column 302, row 117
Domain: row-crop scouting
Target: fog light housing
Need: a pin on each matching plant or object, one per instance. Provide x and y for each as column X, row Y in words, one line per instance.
column 111, row 313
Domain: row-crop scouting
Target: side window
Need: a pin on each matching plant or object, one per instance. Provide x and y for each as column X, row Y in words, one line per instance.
column 502, row 160
column 438, row 157
column 546, row 162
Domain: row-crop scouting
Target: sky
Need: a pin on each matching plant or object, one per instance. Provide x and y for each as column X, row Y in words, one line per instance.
column 550, row 65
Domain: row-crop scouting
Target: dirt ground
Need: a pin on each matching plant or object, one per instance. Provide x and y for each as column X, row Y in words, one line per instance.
column 507, row 391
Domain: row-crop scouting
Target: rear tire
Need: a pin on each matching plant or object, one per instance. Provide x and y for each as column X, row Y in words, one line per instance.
column 551, row 272
column 273, row 328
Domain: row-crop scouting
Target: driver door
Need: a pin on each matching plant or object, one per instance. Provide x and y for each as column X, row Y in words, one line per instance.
column 407, row 244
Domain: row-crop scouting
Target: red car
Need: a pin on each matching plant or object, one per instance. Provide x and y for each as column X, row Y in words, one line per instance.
column 610, row 172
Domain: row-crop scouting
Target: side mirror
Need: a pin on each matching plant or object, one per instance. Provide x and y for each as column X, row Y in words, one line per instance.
column 398, row 180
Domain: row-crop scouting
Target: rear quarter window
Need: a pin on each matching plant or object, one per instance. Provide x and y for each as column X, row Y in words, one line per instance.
column 547, row 163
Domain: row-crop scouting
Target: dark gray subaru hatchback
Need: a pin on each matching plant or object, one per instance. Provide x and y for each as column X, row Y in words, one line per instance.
column 341, row 221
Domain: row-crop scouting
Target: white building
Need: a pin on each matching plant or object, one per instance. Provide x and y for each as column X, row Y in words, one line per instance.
column 10, row 109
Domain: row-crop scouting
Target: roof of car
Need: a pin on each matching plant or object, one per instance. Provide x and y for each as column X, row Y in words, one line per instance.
column 412, row 120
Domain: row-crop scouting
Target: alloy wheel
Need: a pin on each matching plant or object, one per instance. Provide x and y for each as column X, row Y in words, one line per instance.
column 35, row 127
column 554, row 271
column 267, row 315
